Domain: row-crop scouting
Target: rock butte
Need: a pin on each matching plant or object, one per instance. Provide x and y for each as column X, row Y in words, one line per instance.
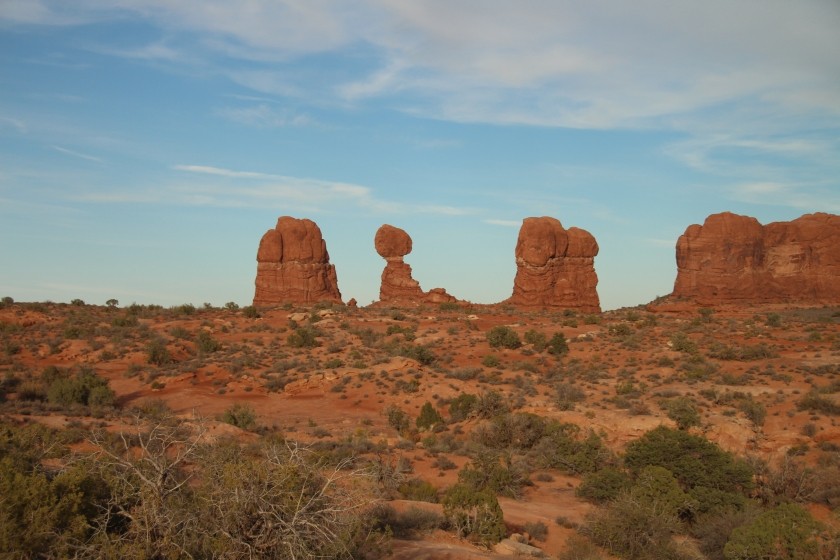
column 555, row 267
column 293, row 265
column 734, row 259
column 398, row 286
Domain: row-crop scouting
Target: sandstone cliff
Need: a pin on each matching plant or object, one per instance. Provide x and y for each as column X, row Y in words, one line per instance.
column 293, row 265
column 555, row 267
column 734, row 259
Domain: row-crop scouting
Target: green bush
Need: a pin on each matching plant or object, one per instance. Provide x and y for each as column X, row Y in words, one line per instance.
column 634, row 531
column 536, row 339
column 475, row 515
column 397, row 419
column 240, row 415
column 712, row 476
column 568, row 395
column 157, row 353
column 503, row 337
column 683, row 411
column 558, row 345
column 491, row 361
column 303, row 337
column 206, row 344
column 603, row 486
column 85, row 388
column 786, row 532
column 462, row 407
column 418, row 490
column 428, row 418
column 487, row 473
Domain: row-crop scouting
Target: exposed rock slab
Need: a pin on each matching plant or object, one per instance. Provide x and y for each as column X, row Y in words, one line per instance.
column 398, row 286
column 293, row 265
column 734, row 259
column 555, row 267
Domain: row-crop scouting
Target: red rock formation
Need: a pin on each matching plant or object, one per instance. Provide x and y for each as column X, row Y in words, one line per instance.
column 734, row 259
column 398, row 286
column 293, row 265
column 555, row 267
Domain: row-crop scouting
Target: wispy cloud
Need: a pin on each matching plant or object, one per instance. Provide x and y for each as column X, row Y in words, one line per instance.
column 504, row 223
column 264, row 116
column 76, row 154
column 236, row 188
column 792, row 196
column 17, row 124
column 547, row 62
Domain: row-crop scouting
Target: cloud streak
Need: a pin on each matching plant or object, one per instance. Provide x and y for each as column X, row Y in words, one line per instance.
column 237, row 189
column 76, row 154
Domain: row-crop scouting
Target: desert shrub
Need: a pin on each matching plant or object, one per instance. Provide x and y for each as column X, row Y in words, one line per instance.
column 428, row 418
column 490, row 403
column 206, row 344
column 681, row 343
column 565, row 448
column 620, row 329
column 475, row 515
column 489, row 471
column 567, row 395
column 85, row 388
column 657, row 488
column 754, row 411
column 421, row 353
column 518, row 431
column 240, row 415
column 712, row 476
column 419, row 490
column 579, row 547
column 743, row 353
column 31, row 391
column 536, row 339
column 633, row 530
column 462, row 407
column 157, row 353
column 503, row 337
column 303, row 337
column 712, row 531
column 784, row 532
column 250, row 312
column 683, row 411
column 558, row 345
column 407, row 524
column 773, row 320
column 603, row 485
column 491, row 361
column 816, row 402
column 397, row 419
column 537, row 529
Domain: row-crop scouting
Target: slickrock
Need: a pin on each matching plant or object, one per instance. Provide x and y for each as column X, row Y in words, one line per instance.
column 734, row 259
column 555, row 267
column 293, row 265
column 398, row 286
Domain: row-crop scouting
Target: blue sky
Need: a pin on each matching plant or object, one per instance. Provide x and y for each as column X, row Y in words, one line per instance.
column 146, row 145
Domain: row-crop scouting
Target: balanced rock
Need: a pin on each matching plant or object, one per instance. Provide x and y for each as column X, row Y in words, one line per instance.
column 398, row 286
column 734, row 259
column 555, row 267
column 293, row 265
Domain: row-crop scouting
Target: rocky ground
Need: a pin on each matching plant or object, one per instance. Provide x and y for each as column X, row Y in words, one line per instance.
column 762, row 382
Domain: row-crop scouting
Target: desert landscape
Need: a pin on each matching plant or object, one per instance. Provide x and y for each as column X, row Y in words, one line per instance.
column 699, row 425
